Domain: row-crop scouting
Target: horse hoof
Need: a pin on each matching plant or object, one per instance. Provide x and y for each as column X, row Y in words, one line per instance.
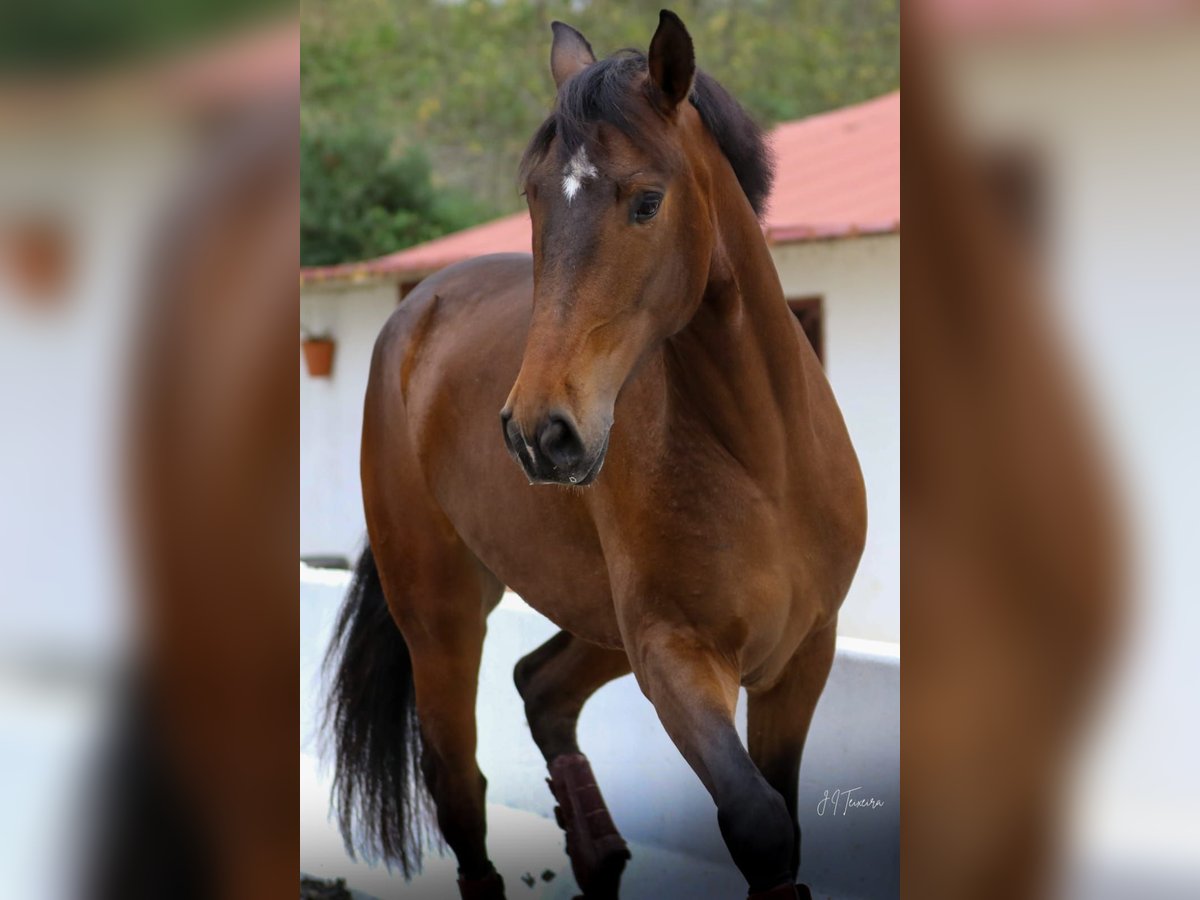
column 783, row 892
column 489, row 887
column 603, row 880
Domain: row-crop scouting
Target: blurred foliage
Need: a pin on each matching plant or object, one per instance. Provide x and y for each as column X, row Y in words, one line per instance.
column 58, row 35
column 359, row 199
column 469, row 80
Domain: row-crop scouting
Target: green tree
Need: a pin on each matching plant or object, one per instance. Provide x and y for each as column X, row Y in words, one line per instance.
column 359, row 200
column 469, row 80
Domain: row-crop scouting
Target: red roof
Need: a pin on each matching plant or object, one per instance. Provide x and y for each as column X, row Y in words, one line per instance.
column 972, row 18
column 837, row 175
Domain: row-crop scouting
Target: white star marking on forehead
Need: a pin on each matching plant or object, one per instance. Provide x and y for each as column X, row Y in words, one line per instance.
column 578, row 170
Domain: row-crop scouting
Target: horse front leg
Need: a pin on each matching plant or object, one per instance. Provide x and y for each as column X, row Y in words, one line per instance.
column 694, row 689
column 555, row 681
column 778, row 721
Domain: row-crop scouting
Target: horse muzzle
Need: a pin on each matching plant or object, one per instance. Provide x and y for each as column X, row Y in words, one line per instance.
column 553, row 451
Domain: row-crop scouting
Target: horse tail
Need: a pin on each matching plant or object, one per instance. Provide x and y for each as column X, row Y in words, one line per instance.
column 380, row 798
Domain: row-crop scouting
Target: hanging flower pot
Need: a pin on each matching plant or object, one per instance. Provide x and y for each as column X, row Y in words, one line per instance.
column 318, row 356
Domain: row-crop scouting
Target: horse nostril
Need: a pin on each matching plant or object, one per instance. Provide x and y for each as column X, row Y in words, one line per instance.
column 560, row 442
column 512, row 432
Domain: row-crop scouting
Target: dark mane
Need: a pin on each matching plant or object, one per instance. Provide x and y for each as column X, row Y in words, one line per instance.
column 602, row 93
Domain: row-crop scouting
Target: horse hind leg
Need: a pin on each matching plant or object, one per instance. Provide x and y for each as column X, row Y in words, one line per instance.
column 442, row 615
column 555, row 681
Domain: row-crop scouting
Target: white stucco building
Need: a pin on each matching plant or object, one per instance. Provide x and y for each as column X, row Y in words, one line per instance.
column 833, row 225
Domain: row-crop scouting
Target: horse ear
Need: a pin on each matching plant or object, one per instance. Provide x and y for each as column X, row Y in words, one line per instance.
column 569, row 54
column 672, row 61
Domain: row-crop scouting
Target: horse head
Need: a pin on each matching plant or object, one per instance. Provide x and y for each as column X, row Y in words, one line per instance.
column 619, row 186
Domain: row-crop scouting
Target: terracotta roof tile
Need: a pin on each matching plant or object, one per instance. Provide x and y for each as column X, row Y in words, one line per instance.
column 981, row 18
column 837, row 175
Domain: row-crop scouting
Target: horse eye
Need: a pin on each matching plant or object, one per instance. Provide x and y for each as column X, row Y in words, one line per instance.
column 647, row 207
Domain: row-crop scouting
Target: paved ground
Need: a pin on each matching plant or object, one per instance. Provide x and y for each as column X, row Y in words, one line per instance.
column 520, row 843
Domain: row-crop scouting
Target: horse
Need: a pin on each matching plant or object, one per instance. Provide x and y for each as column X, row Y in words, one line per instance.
column 1016, row 565
column 686, row 503
column 193, row 800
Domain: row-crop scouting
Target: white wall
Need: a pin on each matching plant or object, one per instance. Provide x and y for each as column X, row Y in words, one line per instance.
column 65, row 377
column 859, row 280
column 331, row 515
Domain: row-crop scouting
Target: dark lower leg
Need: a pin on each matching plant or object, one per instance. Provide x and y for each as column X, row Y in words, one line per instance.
column 458, row 789
column 446, row 675
column 755, row 822
column 694, row 690
column 778, row 721
column 783, row 775
column 489, row 887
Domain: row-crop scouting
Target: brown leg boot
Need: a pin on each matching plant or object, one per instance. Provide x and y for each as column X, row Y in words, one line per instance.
column 597, row 851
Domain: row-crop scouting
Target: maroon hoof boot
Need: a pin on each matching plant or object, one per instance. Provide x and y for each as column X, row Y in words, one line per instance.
column 782, row 892
column 489, row 887
column 596, row 849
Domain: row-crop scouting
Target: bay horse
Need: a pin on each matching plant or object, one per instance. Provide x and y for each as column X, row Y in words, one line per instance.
column 686, row 502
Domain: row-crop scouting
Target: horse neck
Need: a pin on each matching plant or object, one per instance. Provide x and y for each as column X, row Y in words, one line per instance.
column 735, row 371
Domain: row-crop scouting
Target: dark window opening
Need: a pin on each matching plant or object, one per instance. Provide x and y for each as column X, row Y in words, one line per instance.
column 809, row 313
column 1014, row 176
column 404, row 288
